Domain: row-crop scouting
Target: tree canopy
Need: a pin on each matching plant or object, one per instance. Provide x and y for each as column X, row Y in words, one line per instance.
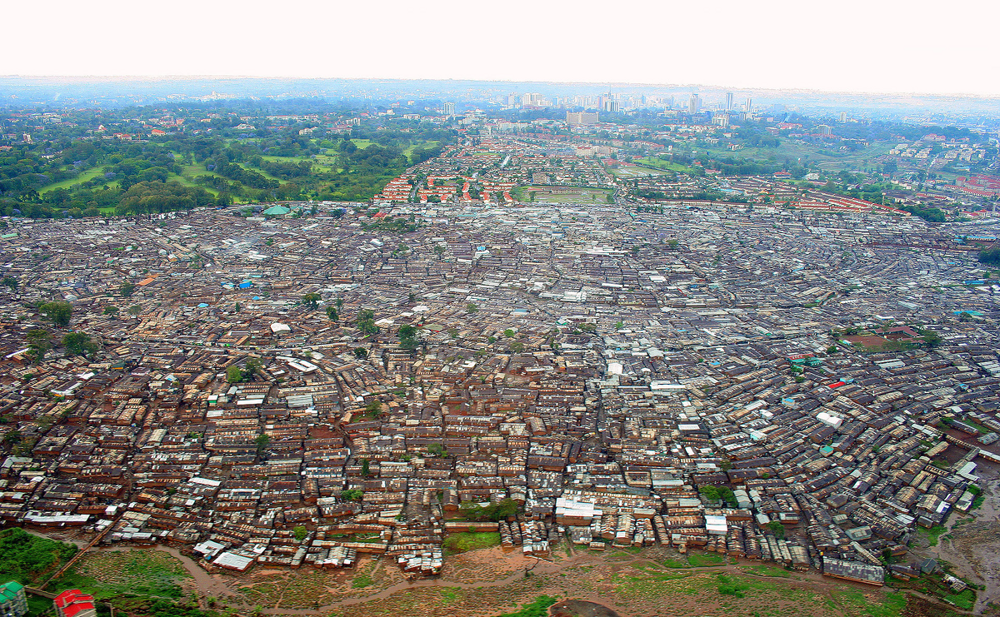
column 58, row 312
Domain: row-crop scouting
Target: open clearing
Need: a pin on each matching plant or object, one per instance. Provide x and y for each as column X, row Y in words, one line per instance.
column 646, row 582
column 566, row 195
column 65, row 184
column 635, row 171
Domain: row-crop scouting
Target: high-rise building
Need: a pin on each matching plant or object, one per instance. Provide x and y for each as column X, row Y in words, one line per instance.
column 729, row 101
column 749, row 104
column 449, row 109
column 843, row 116
column 13, row 602
column 694, row 104
column 577, row 118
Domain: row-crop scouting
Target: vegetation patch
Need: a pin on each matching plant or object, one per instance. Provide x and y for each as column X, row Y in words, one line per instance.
column 732, row 587
column 857, row 603
column 770, row 571
column 126, row 573
column 933, row 533
column 538, row 608
column 702, row 560
column 361, row 581
column 28, row 559
column 469, row 541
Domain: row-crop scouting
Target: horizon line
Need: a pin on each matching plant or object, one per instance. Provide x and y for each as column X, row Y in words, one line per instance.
column 136, row 77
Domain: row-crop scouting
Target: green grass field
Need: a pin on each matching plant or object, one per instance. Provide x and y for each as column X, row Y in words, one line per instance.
column 470, row 541
column 657, row 163
column 65, row 184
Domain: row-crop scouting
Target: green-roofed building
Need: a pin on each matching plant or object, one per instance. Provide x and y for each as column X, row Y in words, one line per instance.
column 13, row 601
column 277, row 211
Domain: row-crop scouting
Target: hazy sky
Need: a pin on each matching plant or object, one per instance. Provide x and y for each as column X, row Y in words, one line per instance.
column 945, row 46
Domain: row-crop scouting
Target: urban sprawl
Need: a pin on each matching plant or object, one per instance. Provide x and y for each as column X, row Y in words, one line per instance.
column 527, row 334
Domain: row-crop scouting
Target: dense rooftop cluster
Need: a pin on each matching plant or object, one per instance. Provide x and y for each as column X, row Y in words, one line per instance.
column 800, row 386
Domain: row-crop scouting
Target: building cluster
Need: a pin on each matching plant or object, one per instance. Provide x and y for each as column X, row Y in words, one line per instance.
column 486, row 171
column 790, row 385
column 69, row 603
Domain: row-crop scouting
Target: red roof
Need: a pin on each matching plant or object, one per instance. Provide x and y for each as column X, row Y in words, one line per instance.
column 78, row 607
column 73, row 601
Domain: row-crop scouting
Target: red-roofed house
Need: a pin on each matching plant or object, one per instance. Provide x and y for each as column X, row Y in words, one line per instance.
column 75, row 603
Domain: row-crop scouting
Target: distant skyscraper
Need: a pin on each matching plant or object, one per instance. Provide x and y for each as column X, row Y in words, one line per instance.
column 729, row 101
column 749, row 104
column 694, row 104
column 449, row 109
column 843, row 116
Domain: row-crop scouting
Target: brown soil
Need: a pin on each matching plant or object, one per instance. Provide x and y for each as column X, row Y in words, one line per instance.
column 580, row 608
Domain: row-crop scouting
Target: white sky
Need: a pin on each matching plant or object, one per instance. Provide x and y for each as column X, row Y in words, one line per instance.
column 943, row 46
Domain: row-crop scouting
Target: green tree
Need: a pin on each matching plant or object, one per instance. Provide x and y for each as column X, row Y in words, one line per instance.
column 253, row 367
column 408, row 337
column 509, row 333
column 777, row 529
column 38, row 335
column 439, row 250
column 300, row 532
column 365, row 468
column 932, row 339
column 79, row 344
column 366, row 321
column 10, row 282
column 40, row 338
column 710, row 493
column 58, row 312
column 111, row 310
column 437, row 449
column 262, row 442
column 373, row 410
column 352, row 494
column 471, row 307
column 360, row 353
column 311, row 299
column 331, row 312
column 127, row 289
column 134, row 310
column 234, row 374
column 517, row 346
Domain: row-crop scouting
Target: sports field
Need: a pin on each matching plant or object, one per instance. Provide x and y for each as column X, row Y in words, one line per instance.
column 566, row 195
